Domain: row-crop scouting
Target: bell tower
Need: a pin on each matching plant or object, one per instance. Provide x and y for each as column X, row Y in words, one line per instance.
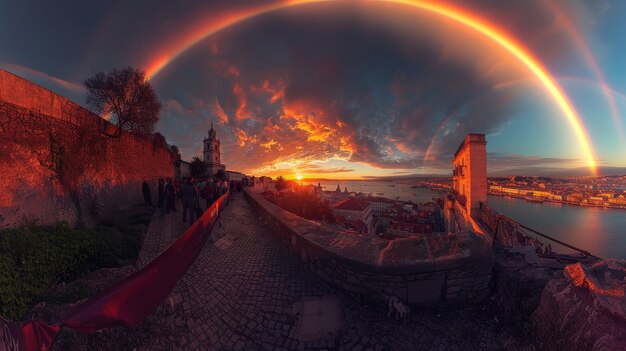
column 212, row 153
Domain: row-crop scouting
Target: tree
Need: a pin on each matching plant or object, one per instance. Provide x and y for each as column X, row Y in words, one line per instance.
column 281, row 183
column 220, row 174
column 127, row 96
column 197, row 167
column 158, row 141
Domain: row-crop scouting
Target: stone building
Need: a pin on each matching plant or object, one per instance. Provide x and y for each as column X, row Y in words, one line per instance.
column 470, row 173
column 354, row 213
column 212, row 154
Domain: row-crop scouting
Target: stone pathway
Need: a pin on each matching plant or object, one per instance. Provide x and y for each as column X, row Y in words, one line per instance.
column 246, row 291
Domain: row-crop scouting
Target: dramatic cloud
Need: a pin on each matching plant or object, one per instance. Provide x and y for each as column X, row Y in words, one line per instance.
column 297, row 93
column 376, row 85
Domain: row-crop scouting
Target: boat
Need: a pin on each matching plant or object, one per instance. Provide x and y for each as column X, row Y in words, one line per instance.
column 533, row 199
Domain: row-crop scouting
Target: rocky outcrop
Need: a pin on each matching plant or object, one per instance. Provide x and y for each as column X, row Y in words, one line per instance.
column 519, row 279
column 585, row 309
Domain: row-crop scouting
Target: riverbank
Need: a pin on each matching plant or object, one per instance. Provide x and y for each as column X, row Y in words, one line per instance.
column 540, row 200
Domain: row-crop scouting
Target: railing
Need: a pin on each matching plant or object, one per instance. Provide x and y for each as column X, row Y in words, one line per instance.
column 509, row 232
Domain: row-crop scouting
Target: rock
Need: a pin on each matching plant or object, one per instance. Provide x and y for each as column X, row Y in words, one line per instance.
column 518, row 284
column 585, row 309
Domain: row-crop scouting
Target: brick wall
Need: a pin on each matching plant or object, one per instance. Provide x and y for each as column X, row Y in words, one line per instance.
column 55, row 164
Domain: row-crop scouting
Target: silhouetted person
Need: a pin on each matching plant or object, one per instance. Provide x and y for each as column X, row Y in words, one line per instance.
column 147, row 196
column 170, row 196
column 210, row 191
column 161, row 196
column 189, row 198
column 224, row 187
column 176, row 184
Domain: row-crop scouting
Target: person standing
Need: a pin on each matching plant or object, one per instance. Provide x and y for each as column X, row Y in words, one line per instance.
column 161, row 197
column 147, row 196
column 208, row 193
column 224, row 187
column 170, row 196
column 176, row 183
column 189, row 198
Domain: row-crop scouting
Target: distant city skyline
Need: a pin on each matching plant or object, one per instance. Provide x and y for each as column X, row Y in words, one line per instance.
column 353, row 89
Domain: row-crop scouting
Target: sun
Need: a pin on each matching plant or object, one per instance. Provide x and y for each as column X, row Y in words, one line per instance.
column 299, row 176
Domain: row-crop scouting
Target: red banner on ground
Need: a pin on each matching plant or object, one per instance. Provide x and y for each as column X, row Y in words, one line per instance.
column 130, row 300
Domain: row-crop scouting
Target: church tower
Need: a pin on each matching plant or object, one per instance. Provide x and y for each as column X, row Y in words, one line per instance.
column 212, row 153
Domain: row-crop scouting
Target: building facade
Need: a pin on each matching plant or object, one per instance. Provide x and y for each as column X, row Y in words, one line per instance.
column 212, row 154
column 379, row 204
column 354, row 213
column 470, row 173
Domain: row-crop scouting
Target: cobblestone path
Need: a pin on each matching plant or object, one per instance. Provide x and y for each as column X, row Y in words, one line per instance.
column 245, row 290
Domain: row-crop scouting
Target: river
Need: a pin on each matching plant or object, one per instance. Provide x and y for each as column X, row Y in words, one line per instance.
column 391, row 190
column 601, row 231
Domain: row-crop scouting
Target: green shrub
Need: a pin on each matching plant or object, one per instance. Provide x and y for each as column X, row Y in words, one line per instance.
column 35, row 258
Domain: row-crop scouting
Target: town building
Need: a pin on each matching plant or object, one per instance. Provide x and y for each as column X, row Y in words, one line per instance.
column 183, row 170
column 235, row 176
column 212, row 154
column 354, row 213
column 470, row 173
column 379, row 204
column 403, row 220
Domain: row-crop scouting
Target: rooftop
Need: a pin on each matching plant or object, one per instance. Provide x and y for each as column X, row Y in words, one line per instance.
column 351, row 204
column 377, row 199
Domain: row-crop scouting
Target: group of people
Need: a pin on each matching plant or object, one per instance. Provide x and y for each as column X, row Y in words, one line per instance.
column 189, row 192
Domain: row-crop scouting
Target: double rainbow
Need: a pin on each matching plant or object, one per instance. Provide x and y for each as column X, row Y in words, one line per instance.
column 460, row 16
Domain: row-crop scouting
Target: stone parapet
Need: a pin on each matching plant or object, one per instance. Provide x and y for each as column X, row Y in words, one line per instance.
column 421, row 271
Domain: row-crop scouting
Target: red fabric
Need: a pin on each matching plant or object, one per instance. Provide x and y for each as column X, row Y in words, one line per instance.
column 38, row 336
column 130, row 300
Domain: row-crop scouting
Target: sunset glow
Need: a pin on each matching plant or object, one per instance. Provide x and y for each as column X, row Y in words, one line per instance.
column 453, row 14
column 336, row 174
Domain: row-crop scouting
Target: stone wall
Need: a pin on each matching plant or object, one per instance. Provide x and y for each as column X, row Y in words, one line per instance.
column 421, row 271
column 506, row 233
column 55, row 163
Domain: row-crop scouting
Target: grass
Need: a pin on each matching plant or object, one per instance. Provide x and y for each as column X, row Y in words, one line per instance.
column 33, row 259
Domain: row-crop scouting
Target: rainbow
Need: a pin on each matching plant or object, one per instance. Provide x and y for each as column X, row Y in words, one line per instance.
column 587, row 54
column 463, row 17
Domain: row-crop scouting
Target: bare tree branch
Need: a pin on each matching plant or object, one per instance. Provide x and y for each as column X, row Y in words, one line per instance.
column 127, row 96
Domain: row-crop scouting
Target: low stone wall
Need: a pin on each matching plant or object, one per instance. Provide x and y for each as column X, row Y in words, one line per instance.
column 421, row 271
column 507, row 233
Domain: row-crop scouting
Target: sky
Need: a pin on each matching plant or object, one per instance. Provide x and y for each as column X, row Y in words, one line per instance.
column 351, row 89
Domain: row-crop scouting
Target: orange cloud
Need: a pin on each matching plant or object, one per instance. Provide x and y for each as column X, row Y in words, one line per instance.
column 309, row 120
column 243, row 138
column 240, row 113
column 222, row 117
column 272, row 143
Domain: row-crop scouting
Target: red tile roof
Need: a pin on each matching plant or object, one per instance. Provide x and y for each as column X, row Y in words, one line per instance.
column 351, row 204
